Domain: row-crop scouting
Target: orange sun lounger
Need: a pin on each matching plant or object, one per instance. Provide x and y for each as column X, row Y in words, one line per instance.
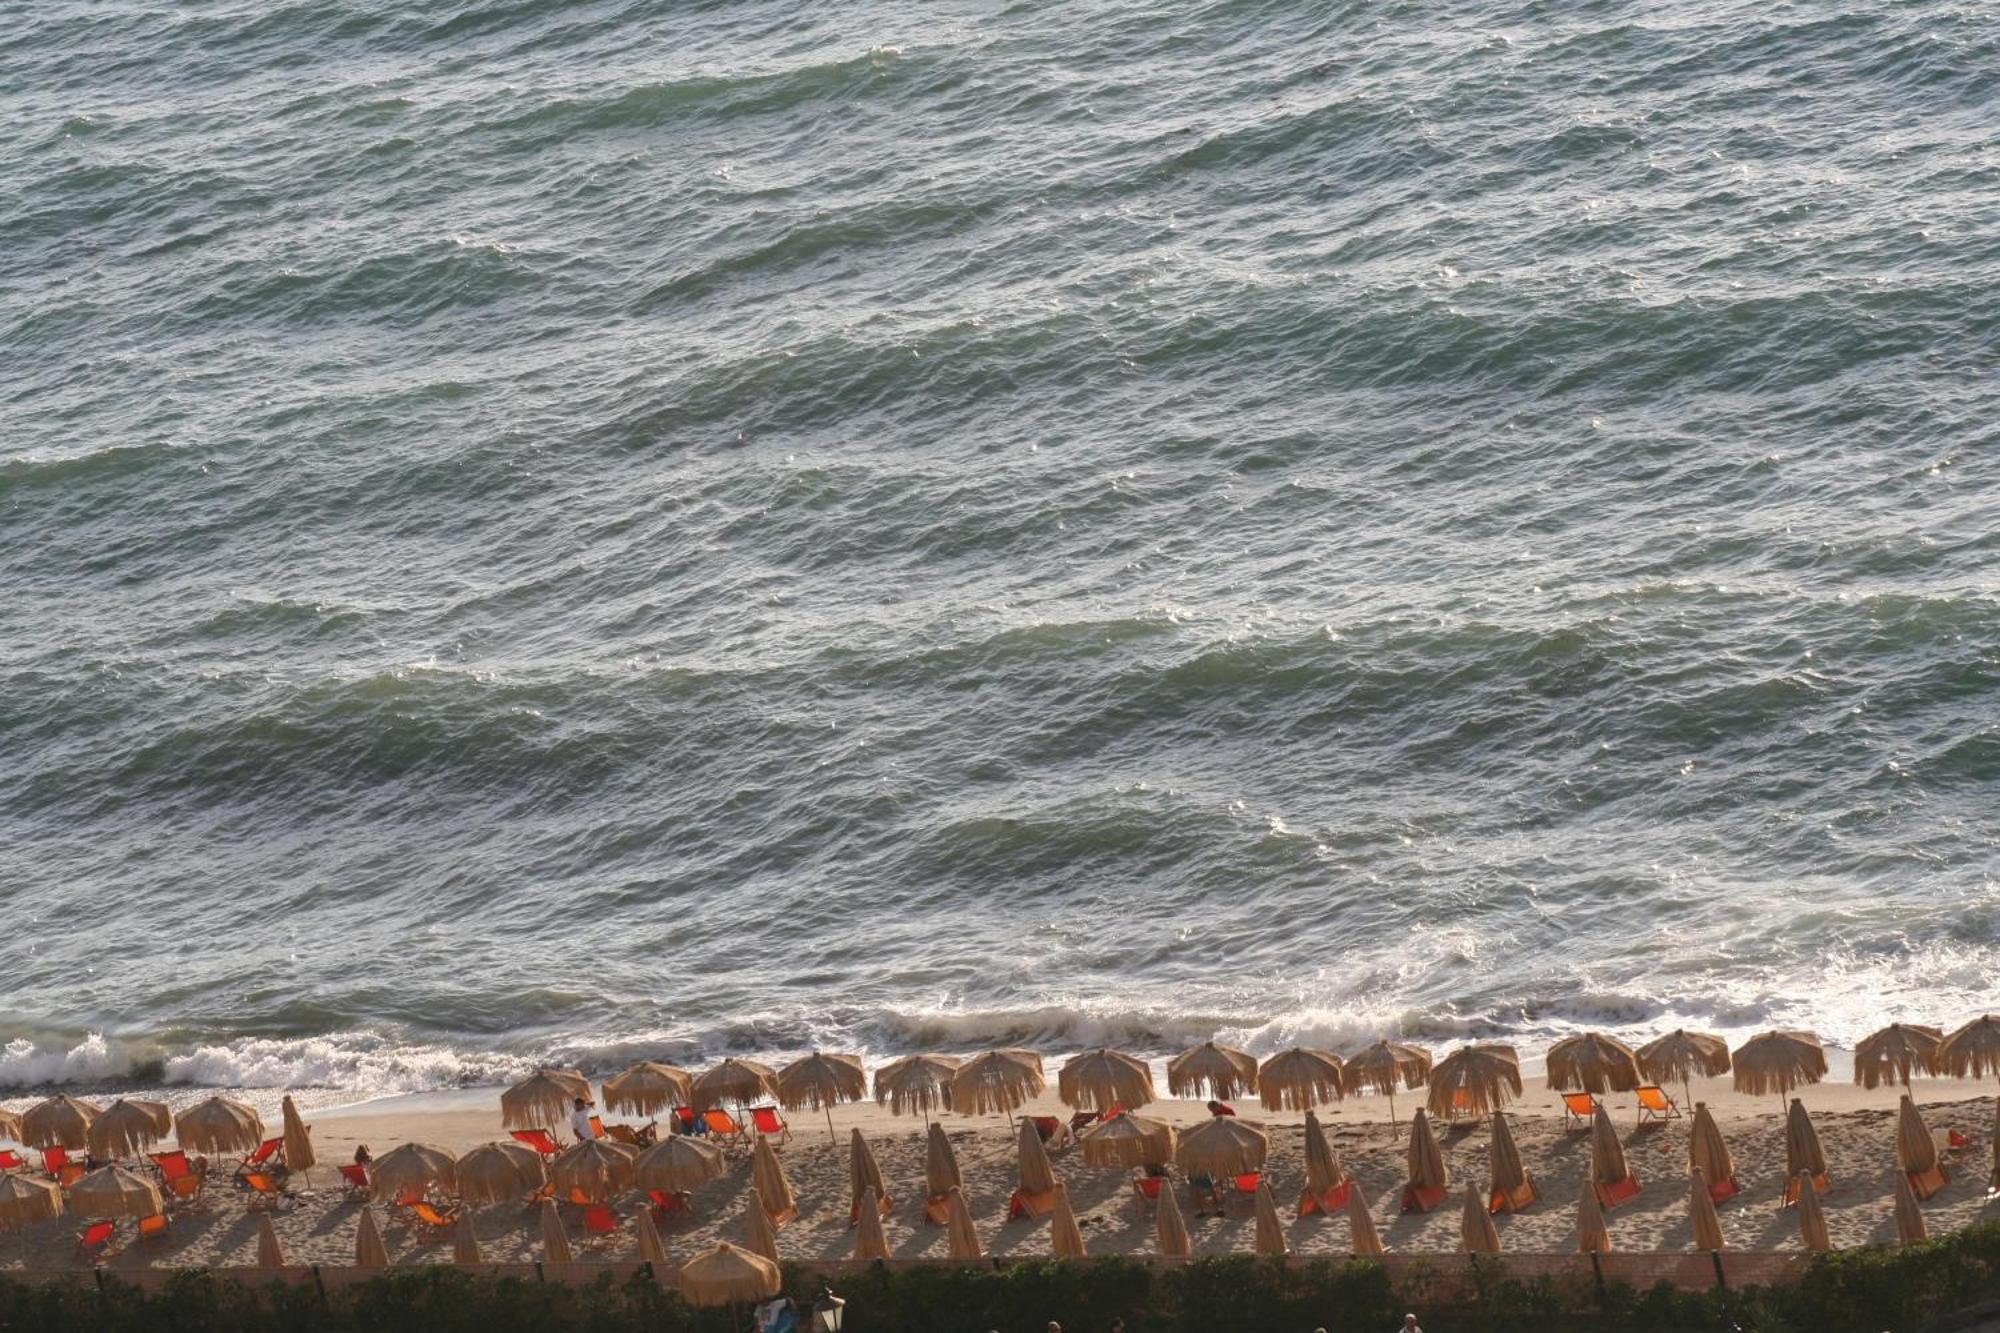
column 1031, row 1205
column 1579, row 1108
column 723, row 1127
column 538, row 1139
column 1516, row 1200
column 1927, row 1183
column 1617, row 1192
column 1654, row 1104
column 1329, row 1203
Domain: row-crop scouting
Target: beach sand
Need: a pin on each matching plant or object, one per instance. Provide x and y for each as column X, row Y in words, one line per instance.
column 1856, row 1128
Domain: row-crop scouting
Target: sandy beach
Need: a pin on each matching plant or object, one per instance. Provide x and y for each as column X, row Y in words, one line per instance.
column 1856, row 1127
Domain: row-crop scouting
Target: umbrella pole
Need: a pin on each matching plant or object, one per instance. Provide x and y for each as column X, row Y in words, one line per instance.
column 1395, row 1125
column 829, row 1124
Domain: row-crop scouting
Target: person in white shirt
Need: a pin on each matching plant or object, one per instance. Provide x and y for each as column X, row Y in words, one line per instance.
column 579, row 1121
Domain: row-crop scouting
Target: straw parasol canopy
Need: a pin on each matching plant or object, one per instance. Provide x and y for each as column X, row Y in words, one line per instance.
column 1507, row 1172
column 542, row 1099
column 128, row 1128
column 1425, row 1160
column 1296, row 1079
column 1101, row 1079
column 10, row 1126
column 270, row 1254
column 940, row 1164
column 1777, row 1062
column 733, row 1080
column 677, row 1162
column 728, row 1275
column 821, row 1082
column 465, row 1241
column 218, row 1126
column 1487, row 1074
column 60, row 1122
column 1222, row 1146
column 1222, row 1072
column 113, row 1191
column 369, row 1251
column 1065, row 1237
column 1683, row 1055
column 23, row 1199
column 1382, row 1066
column 1970, row 1051
column 1170, row 1228
column 1270, row 1229
column 1802, row 1150
column 555, row 1240
column 1916, row 1150
column 596, row 1169
column 1362, row 1238
column 1323, row 1170
column 1702, row 1219
column 870, row 1240
column 1128, row 1140
column 996, row 1083
column 299, row 1155
column 1475, row 1225
column 1607, row 1154
column 1812, row 1218
column 1593, row 1062
column 769, row 1179
column 647, row 1088
column 1037, row 1176
column 1895, row 1053
column 916, row 1084
column 499, row 1173
column 864, row 1173
column 1592, row 1236
column 1910, row 1228
column 652, row 1250
column 1707, row 1153
column 961, row 1237
column 411, row 1169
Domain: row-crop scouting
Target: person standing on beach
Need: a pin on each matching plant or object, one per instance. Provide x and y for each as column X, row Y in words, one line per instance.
column 1410, row 1324
column 579, row 1122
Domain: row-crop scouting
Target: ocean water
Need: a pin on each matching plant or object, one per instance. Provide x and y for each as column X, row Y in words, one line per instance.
column 543, row 530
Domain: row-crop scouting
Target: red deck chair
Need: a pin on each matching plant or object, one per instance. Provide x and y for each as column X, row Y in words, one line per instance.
column 1579, row 1109
column 599, row 1220
column 683, row 1119
column 723, row 1127
column 264, row 1152
column 1516, row 1200
column 63, row 1171
column 265, row 1191
column 538, row 1139
column 769, row 1123
column 95, row 1240
column 1329, row 1203
column 1619, row 1191
column 1031, row 1205
column 1243, row 1190
column 354, row 1175
column 1146, row 1192
column 1053, row 1132
column 670, row 1204
column 11, row 1160
column 173, row 1165
column 1722, row 1191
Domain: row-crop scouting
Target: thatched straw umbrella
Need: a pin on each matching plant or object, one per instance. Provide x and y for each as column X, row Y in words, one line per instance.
column 916, row 1084
column 1916, row 1150
column 1170, row 1228
column 820, row 1082
column 1685, row 1056
column 542, row 1099
column 1971, row 1051
column 1777, row 1062
column 1128, row 1140
column 595, row 1169
column 996, row 1083
column 940, row 1164
column 1065, row 1237
column 772, row 1184
column 1895, row 1053
column 759, row 1236
column 733, row 1080
column 24, row 1199
column 1384, row 1065
column 410, row 1169
column 499, row 1173
column 871, row 1241
column 1323, row 1171
column 113, row 1191
column 369, row 1251
column 1707, row 1153
column 219, row 1126
column 647, row 1088
column 652, row 1249
column 1101, row 1079
column 1296, row 1079
column 60, row 1122
column 1362, row 1238
column 1812, row 1218
column 299, row 1154
column 128, row 1128
column 1607, row 1154
column 864, row 1173
column 465, row 1241
column 270, row 1254
column 10, row 1126
column 1425, row 1161
column 1802, row 1150
column 1592, row 1236
column 1222, row 1146
column 1221, row 1072
column 1037, row 1176
column 1592, row 1062
column 961, row 1237
column 555, row 1240
column 1270, row 1230
column 1508, row 1173
column 728, row 1275
column 1702, row 1218
column 1486, row 1074
column 1910, row 1228
column 1475, row 1225
column 676, row 1163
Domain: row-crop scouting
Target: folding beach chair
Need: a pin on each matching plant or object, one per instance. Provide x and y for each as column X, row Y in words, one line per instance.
column 1327, row 1204
column 1031, row 1205
column 354, row 1177
column 1516, row 1200
column 599, row 1220
column 154, row 1227
column 265, row 1192
column 1579, row 1109
column 1927, row 1183
column 1617, row 1192
column 1243, row 1190
column 538, row 1139
column 724, row 1128
column 60, row 1168
column 770, row 1124
column 1146, row 1193
column 624, row 1134
column 433, row 1224
column 12, row 1161
column 669, row 1204
column 684, row 1121
column 95, row 1242
column 260, row 1158
column 1656, row 1105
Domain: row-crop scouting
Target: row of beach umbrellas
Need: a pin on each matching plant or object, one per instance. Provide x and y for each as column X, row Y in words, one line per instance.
column 131, row 1127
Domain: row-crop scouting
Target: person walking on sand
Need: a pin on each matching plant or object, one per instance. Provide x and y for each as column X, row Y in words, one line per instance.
column 579, row 1122
column 1410, row 1324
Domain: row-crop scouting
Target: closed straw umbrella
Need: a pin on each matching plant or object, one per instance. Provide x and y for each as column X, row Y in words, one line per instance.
column 1802, row 1150
column 1425, row 1161
column 1065, row 1237
column 870, row 1240
column 1607, row 1154
column 1037, row 1176
column 648, row 1088
column 1170, row 1229
column 1777, row 1062
column 1102, row 1079
column 728, row 1275
column 299, row 1155
column 1973, row 1050
column 916, row 1084
column 961, row 1237
column 677, row 1163
column 60, row 1122
column 411, row 1168
column 1382, row 1066
column 1812, row 1218
column 864, row 1173
column 499, row 1173
column 1702, row 1219
column 1128, row 1140
column 1509, row 1174
column 1222, row 1072
column 759, row 1236
column 941, row 1171
column 1707, row 1153
column 1475, row 1225
column 1222, row 1146
column 555, row 1240
column 218, row 1126
column 1270, row 1230
column 1895, row 1053
column 369, row 1251
column 1916, row 1150
column 1685, row 1056
column 652, row 1249
column 996, row 1083
column 1299, row 1078
column 733, row 1080
column 113, row 1191
column 128, row 1128
column 595, row 1169
column 1323, row 1171
column 1473, row 1080
column 270, row 1254
column 542, row 1099
column 771, row 1183
column 1910, row 1228
column 1592, row 1062
column 1592, row 1236
column 1362, row 1238
column 465, row 1241
column 820, row 1082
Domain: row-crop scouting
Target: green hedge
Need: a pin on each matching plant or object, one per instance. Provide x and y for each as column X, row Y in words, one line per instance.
column 1857, row 1291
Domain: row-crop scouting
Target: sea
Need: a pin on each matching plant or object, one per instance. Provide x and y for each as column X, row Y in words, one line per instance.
column 536, row 531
